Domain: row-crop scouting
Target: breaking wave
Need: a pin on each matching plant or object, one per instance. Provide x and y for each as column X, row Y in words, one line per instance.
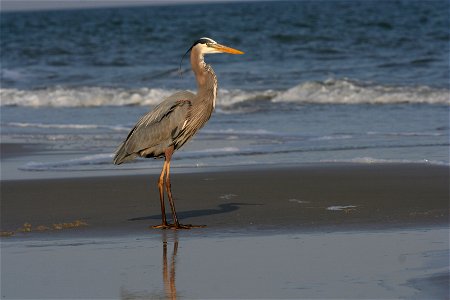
column 89, row 160
column 372, row 160
column 104, row 161
column 352, row 92
column 68, row 126
column 331, row 91
column 82, row 97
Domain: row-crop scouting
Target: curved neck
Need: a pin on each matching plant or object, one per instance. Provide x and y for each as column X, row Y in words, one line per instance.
column 204, row 74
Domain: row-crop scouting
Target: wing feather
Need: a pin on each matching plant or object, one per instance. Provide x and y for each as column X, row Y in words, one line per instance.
column 156, row 130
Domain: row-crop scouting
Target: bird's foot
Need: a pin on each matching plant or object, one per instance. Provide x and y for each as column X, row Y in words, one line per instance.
column 177, row 226
column 162, row 226
column 187, row 226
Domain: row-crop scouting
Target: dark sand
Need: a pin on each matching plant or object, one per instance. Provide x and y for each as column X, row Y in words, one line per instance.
column 333, row 231
column 301, row 197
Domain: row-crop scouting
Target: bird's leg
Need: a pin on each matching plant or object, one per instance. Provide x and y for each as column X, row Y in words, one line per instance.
column 176, row 224
column 168, row 154
column 164, row 224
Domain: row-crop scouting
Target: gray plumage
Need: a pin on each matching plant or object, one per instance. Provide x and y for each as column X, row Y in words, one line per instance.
column 174, row 121
column 158, row 129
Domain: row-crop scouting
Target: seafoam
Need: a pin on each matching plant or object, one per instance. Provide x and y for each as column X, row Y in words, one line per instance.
column 331, row 91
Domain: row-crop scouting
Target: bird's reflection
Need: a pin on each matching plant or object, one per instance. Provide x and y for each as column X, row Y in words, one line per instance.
column 169, row 266
column 169, row 258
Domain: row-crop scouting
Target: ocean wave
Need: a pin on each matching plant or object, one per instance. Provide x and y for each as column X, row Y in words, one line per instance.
column 104, row 160
column 372, row 160
column 407, row 134
column 352, row 92
column 67, row 126
column 89, row 160
column 82, row 97
column 239, row 132
column 331, row 91
column 332, row 137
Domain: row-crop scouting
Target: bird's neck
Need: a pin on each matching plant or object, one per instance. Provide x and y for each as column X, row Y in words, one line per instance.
column 206, row 79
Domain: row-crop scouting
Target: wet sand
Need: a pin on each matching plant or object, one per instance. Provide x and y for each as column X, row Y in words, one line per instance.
column 166, row 264
column 305, row 197
column 309, row 231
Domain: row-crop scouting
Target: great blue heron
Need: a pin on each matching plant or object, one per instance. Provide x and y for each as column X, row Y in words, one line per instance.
column 174, row 121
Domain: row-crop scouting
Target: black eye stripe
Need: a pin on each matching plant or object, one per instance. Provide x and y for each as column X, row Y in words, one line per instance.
column 205, row 41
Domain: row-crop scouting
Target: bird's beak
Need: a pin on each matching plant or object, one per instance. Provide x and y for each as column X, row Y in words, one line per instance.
column 225, row 49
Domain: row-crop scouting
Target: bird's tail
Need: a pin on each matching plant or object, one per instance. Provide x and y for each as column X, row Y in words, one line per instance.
column 122, row 155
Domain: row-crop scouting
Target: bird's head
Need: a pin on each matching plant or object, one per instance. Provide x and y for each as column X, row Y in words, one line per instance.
column 209, row 46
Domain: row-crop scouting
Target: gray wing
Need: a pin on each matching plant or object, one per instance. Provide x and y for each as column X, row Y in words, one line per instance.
column 156, row 130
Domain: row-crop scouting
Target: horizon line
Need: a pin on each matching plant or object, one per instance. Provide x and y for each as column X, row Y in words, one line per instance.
column 50, row 5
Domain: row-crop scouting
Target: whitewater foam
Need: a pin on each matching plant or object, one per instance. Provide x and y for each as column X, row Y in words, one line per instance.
column 332, row 137
column 105, row 160
column 352, row 92
column 231, row 131
column 102, row 161
column 331, row 91
column 68, row 126
column 341, row 207
column 372, row 160
column 412, row 133
column 89, row 160
column 82, row 97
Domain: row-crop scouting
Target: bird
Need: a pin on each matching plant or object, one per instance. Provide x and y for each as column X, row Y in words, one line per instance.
column 173, row 122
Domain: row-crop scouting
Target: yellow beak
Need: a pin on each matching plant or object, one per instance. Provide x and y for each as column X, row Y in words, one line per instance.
column 225, row 49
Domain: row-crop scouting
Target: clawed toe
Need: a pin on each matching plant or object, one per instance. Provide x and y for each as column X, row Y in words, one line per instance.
column 177, row 226
column 162, row 226
column 188, row 226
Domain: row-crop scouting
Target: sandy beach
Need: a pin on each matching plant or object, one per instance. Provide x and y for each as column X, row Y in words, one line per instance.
column 298, row 198
column 307, row 231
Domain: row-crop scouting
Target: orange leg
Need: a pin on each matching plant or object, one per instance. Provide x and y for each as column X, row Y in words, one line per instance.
column 166, row 171
column 164, row 224
column 169, row 153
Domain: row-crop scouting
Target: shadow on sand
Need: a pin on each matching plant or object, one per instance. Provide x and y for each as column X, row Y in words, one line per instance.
column 222, row 209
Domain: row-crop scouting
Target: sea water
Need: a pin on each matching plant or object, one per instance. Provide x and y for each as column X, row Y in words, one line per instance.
column 320, row 82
